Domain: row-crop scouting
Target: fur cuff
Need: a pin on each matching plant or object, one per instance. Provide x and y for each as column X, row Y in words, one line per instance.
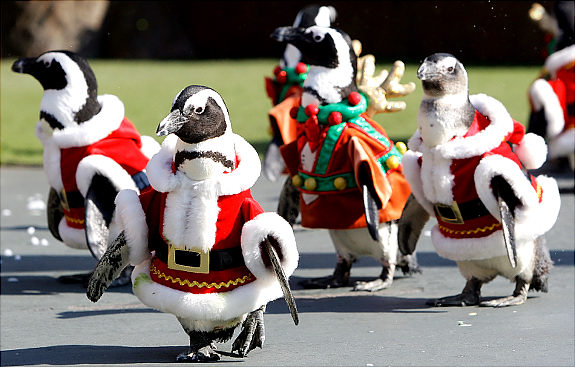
column 132, row 220
column 532, row 218
column 72, row 237
column 149, row 146
column 532, row 151
column 255, row 231
column 412, row 172
column 542, row 96
column 105, row 166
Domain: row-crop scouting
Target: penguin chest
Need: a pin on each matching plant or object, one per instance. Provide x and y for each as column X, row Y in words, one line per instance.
column 190, row 218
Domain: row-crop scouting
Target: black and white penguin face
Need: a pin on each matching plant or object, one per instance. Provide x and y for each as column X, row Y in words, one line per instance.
column 309, row 16
column 442, row 74
column 198, row 113
column 70, row 87
column 320, row 46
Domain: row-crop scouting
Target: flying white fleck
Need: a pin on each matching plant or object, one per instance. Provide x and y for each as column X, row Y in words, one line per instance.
column 8, row 252
column 6, row 212
column 31, row 230
column 35, row 241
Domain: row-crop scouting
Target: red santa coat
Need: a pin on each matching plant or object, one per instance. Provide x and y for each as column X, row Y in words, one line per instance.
column 217, row 214
column 455, row 178
column 107, row 144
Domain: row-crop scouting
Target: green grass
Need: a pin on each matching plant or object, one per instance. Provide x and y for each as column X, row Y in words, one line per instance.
column 147, row 89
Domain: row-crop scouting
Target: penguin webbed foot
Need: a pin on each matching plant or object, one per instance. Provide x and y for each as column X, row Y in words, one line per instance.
column 384, row 281
column 470, row 296
column 339, row 278
column 519, row 296
column 252, row 334
column 199, row 355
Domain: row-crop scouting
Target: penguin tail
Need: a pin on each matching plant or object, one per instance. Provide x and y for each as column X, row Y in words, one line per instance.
column 543, row 265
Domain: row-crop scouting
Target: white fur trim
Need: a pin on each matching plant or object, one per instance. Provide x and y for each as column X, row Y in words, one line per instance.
column 149, row 146
column 532, row 219
column 563, row 144
column 214, row 306
column 412, row 172
column 543, row 96
column 255, row 231
column 97, row 128
column 558, row 59
column 488, row 139
column 100, row 164
column 132, row 219
column 245, row 175
column 72, row 237
column 531, row 151
column 469, row 248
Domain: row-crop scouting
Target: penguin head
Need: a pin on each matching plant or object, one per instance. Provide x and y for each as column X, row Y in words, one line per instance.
column 320, row 46
column 70, row 87
column 309, row 16
column 200, row 119
column 442, row 74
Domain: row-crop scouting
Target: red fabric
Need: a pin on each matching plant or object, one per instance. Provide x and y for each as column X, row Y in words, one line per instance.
column 122, row 145
column 564, row 87
column 235, row 210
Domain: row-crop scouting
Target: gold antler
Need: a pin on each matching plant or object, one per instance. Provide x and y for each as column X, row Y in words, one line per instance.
column 381, row 87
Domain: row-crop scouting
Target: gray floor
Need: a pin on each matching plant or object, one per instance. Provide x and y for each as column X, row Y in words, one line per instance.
column 44, row 322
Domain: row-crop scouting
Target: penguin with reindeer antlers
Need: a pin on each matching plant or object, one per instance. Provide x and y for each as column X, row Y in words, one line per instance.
column 466, row 165
column 203, row 249
column 347, row 170
column 91, row 151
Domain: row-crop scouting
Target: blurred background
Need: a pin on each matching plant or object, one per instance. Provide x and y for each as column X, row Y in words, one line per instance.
column 145, row 52
column 491, row 32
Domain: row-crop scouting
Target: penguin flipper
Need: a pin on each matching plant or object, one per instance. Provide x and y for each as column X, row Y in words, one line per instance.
column 410, row 225
column 99, row 209
column 109, row 267
column 507, row 201
column 371, row 213
column 54, row 213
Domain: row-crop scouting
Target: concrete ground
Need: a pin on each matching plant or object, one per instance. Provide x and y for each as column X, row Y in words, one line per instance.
column 47, row 323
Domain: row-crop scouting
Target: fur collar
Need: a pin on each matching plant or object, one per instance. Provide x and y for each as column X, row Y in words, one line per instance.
column 243, row 177
column 501, row 124
column 560, row 58
column 88, row 132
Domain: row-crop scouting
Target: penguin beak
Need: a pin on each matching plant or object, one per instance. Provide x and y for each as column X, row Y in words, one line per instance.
column 24, row 65
column 287, row 34
column 426, row 71
column 171, row 123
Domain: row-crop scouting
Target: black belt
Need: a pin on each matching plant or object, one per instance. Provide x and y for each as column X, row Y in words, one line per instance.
column 218, row 259
column 458, row 213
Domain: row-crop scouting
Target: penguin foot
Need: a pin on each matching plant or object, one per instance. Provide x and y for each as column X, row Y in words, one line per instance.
column 460, row 300
column 373, row 286
column 505, row 301
column 252, row 334
column 200, row 355
column 324, row 283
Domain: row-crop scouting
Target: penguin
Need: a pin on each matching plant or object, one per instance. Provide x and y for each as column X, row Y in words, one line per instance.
column 91, row 151
column 203, row 249
column 552, row 94
column 285, row 89
column 467, row 167
column 343, row 159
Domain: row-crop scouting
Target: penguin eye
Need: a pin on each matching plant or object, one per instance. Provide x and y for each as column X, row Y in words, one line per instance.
column 450, row 69
column 199, row 110
column 318, row 37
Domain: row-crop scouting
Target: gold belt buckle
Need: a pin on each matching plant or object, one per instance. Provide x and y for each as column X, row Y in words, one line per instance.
column 456, row 218
column 203, row 268
column 64, row 200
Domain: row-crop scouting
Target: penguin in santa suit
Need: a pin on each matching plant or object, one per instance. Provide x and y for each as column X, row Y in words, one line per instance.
column 284, row 89
column 552, row 95
column 346, row 169
column 203, row 249
column 91, row 150
column 466, row 165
